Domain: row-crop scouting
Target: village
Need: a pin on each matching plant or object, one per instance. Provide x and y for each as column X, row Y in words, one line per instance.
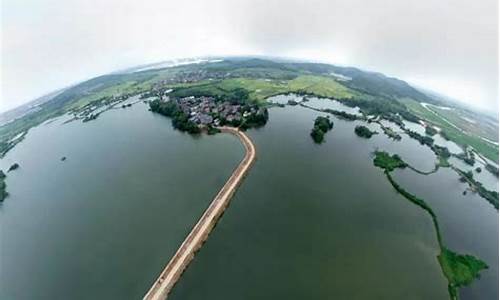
column 207, row 111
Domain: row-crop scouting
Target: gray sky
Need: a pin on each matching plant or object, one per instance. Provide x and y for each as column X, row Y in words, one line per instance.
column 448, row 46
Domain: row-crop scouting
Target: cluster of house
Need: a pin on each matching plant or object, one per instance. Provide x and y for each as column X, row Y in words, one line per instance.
column 195, row 76
column 207, row 111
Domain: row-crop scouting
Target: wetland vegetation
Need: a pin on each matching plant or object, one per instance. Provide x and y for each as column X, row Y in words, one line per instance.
column 460, row 270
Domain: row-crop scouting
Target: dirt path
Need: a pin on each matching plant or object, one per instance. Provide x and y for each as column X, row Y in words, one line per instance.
column 178, row 263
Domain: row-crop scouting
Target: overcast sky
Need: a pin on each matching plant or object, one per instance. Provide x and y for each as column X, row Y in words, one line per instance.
column 448, row 46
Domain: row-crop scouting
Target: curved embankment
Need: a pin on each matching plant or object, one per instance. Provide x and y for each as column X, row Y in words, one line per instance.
column 178, row 263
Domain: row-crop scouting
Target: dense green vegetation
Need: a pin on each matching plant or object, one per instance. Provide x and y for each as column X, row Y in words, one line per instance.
column 321, row 126
column 323, row 123
column 3, row 186
column 388, row 162
column 460, row 270
column 363, row 131
column 254, row 120
column 179, row 118
column 235, row 95
column 386, row 108
column 343, row 115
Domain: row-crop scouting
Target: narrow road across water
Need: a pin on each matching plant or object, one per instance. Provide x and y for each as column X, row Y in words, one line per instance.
column 181, row 259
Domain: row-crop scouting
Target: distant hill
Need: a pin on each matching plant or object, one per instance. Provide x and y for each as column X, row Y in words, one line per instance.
column 252, row 79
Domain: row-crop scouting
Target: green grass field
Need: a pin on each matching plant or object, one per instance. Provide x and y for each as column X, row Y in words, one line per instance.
column 260, row 89
column 463, row 139
column 478, row 126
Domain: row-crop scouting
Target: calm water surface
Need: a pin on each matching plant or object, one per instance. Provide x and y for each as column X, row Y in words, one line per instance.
column 309, row 222
column 469, row 224
column 103, row 223
column 316, row 222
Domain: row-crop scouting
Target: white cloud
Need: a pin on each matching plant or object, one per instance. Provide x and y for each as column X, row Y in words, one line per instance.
column 49, row 44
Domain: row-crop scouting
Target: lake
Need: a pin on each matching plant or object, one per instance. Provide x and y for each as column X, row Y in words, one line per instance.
column 309, row 221
column 316, row 222
column 103, row 223
column 469, row 224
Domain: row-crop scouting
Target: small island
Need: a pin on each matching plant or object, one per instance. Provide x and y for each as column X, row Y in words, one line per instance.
column 459, row 269
column 3, row 186
column 388, row 162
column 363, row 131
column 14, row 167
column 321, row 126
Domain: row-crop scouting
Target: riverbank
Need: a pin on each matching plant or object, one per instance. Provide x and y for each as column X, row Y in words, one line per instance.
column 193, row 242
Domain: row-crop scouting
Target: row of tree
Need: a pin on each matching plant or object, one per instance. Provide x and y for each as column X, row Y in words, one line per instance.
column 179, row 119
